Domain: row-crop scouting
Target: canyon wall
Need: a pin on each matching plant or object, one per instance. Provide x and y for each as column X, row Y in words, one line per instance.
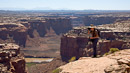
column 12, row 32
column 82, row 47
column 102, row 20
column 19, row 32
column 59, row 26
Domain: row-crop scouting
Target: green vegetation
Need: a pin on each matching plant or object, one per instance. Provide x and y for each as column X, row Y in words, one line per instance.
column 72, row 59
column 112, row 50
column 58, row 70
column 30, row 64
column 106, row 54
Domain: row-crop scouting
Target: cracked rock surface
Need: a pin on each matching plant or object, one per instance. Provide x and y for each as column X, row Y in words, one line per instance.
column 118, row 62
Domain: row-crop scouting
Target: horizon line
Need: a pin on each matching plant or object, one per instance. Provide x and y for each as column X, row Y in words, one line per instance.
column 60, row 10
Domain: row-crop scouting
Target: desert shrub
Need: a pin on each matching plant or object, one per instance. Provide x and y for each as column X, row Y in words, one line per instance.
column 106, row 54
column 58, row 70
column 72, row 59
column 112, row 50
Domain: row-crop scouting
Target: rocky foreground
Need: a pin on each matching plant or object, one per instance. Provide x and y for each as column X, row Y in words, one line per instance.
column 11, row 61
column 118, row 62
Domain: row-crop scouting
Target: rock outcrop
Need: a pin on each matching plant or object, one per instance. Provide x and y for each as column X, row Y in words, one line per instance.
column 82, row 47
column 76, row 42
column 12, row 32
column 118, row 62
column 11, row 60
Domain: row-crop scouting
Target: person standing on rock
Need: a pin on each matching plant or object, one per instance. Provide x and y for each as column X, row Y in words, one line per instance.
column 93, row 36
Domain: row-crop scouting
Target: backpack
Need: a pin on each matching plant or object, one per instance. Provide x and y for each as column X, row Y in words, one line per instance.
column 99, row 33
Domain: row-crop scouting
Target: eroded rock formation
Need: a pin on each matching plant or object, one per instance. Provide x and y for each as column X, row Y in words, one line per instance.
column 58, row 25
column 11, row 60
column 12, row 32
column 18, row 32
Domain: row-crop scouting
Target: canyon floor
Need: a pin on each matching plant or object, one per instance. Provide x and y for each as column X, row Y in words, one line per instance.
column 47, row 67
column 47, row 46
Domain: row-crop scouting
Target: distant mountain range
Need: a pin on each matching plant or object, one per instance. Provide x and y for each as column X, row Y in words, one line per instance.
column 47, row 9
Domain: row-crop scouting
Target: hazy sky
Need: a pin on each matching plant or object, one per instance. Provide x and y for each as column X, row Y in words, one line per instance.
column 67, row 4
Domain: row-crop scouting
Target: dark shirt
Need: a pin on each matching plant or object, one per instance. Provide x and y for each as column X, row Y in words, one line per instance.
column 94, row 33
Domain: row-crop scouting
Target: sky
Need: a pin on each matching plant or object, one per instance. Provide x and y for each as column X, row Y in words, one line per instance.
column 66, row 4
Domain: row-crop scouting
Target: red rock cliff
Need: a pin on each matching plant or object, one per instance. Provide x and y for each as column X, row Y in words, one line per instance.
column 12, row 32
column 76, row 43
column 59, row 26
